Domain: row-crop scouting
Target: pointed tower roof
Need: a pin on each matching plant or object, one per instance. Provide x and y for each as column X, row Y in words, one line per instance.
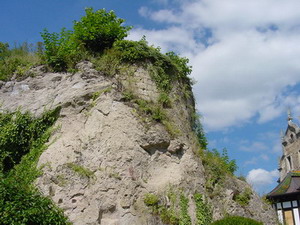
column 291, row 125
column 290, row 185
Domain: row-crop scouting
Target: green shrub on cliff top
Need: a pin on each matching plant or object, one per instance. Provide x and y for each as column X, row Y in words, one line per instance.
column 95, row 32
column 165, row 67
column 62, row 50
column 99, row 30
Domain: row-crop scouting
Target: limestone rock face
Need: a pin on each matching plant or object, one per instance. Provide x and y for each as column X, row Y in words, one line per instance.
column 105, row 156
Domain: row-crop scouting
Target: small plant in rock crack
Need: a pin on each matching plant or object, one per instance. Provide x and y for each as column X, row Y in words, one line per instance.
column 82, row 171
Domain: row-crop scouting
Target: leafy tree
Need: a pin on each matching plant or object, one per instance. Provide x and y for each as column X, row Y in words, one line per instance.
column 230, row 165
column 62, row 51
column 95, row 32
column 99, row 30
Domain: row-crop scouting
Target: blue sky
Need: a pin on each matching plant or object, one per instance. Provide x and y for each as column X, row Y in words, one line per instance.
column 245, row 57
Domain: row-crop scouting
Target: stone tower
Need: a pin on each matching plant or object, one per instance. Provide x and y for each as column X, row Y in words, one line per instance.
column 290, row 160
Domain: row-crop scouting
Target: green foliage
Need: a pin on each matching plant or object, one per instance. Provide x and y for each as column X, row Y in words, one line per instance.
column 17, row 60
column 3, row 50
column 97, row 94
column 219, row 163
column 157, row 113
column 109, row 63
column 184, row 219
column 22, row 205
column 164, row 100
column 244, row 197
column 171, row 128
column 82, row 171
column 95, row 32
column 242, row 178
column 203, row 212
column 266, row 200
column 62, row 50
column 217, row 166
column 167, row 215
column 151, row 200
column 127, row 96
column 176, row 213
column 99, row 30
column 165, row 67
column 22, row 140
column 229, row 165
column 137, row 51
column 181, row 64
column 237, row 220
column 18, row 133
column 153, row 110
column 198, row 129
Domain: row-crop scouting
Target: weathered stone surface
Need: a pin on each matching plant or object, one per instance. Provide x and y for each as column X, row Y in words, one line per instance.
column 124, row 156
column 223, row 201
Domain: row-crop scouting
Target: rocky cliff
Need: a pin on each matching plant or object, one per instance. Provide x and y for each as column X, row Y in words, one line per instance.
column 113, row 147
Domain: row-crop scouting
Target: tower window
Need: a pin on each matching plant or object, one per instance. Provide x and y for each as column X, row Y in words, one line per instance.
column 289, row 163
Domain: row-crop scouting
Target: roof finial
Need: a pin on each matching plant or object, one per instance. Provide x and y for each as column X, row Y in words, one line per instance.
column 289, row 118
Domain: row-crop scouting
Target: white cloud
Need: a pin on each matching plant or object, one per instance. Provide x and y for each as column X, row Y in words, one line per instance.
column 172, row 38
column 165, row 16
column 256, row 146
column 245, row 55
column 251, row 161
column 260, row 178
column 144, row 11
column 255, row 160
column 265, row 157
column 238, row 14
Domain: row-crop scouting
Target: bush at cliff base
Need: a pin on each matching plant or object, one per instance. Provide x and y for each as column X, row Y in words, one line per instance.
column 236, row 220
column 22, row 140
